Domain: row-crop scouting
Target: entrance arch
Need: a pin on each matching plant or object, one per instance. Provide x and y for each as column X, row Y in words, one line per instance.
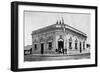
column 61, row 46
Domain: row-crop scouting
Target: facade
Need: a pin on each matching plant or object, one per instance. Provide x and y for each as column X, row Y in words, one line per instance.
column 59, row 38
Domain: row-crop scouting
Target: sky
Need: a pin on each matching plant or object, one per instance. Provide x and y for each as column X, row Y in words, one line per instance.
column 34, row 20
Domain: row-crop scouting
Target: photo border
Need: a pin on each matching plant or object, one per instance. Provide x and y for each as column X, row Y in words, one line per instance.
column 14, row 35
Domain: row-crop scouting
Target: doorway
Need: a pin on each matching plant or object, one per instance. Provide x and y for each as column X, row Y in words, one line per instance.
column 42, row 48
column 61, row 46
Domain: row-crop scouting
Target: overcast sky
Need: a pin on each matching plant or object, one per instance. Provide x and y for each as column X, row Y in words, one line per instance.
column 35, row 20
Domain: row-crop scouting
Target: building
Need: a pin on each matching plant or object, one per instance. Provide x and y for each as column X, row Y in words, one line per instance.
column 59, row 38
column 27, row 49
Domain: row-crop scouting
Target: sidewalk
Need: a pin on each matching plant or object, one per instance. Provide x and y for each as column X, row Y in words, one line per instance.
column 49, row 57
column 55, row 55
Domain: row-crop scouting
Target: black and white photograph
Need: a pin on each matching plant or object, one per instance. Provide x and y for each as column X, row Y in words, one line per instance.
column 53, row 36
column 56, row 36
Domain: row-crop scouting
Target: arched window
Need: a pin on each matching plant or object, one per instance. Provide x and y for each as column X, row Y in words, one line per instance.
column 84, row 45
column 70, row 43
column 35, row 46
column 76, row 41
column 80, row 48
column 49, row 45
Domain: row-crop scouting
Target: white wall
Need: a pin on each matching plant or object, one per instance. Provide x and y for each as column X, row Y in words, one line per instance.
column 5, row 32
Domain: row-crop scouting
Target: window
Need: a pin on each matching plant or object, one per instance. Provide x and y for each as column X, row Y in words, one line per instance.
column 84, row 45
column 50, row 45
column 35, row 46
column 80, row 48
column 76, row 43
column 70, row 43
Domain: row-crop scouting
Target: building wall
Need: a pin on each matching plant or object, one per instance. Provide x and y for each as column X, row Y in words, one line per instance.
column 66, row 36
column 44, row 38
column 53, row 36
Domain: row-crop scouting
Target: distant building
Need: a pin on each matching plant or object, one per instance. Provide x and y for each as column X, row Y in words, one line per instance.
column 58, row 38
column 28, row 49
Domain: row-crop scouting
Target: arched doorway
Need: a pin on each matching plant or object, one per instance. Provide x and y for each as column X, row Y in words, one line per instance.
column 61, row 45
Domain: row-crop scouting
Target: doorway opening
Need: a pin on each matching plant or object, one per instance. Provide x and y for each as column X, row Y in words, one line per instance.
column 61, row 46
column 42, row 48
